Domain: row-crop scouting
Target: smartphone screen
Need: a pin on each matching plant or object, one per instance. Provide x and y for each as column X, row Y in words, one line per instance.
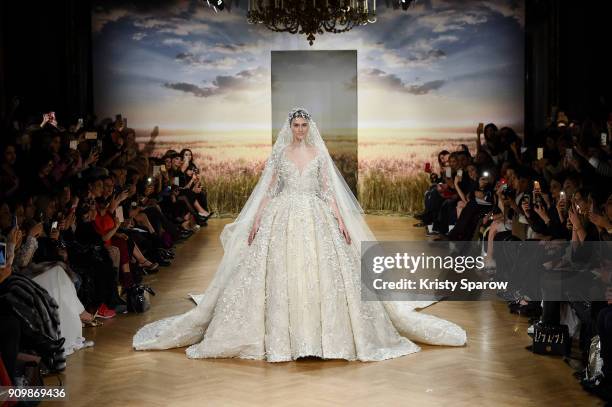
column 74, row 144
column 2, row 254
column 604, row 139
column 448, row 172
column 119, row 213
column 177, row 182
column 540, row 153
column 54, row 226
column 459, row 172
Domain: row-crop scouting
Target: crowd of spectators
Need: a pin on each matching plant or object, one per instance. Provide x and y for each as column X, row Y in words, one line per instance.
column 86, row 213
column 557, row 188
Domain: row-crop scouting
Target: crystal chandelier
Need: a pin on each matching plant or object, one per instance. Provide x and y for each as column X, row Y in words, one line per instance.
column 312, row 17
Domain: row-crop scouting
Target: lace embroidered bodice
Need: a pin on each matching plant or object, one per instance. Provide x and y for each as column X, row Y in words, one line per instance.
column 289, row 180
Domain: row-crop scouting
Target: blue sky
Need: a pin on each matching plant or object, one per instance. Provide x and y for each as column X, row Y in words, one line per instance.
column 178, row 64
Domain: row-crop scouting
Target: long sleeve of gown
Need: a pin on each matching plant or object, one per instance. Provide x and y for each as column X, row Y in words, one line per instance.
column 327, row 190
column 273, row 189
column 274, row 186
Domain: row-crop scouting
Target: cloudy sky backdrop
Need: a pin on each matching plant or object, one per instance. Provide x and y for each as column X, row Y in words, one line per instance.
column 180, row 65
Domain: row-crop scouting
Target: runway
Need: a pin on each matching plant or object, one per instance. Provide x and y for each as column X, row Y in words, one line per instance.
column 492, row 369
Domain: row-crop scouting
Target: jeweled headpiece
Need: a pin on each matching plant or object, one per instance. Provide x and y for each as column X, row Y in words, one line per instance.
column 298, row 112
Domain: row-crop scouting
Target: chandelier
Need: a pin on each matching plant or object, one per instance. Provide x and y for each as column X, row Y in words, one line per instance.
column 312, row 17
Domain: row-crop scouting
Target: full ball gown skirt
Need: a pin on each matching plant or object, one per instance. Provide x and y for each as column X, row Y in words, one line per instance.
column 295, row 292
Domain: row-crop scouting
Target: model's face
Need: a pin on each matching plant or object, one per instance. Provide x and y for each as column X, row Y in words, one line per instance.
column 187, row 156
column 299, row 128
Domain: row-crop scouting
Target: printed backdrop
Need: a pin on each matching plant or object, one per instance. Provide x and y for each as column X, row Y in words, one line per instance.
column 424, row 79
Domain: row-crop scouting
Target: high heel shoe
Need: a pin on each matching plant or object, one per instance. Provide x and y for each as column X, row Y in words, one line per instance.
column 149, row 266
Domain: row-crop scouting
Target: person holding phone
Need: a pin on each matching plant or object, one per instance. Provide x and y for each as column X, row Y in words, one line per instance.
column 491, row 143
column 107, row 225
column 182, row 184
column 191, row 184
column 48, row 269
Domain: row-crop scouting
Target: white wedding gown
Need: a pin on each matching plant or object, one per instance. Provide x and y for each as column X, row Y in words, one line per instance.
column 295, row 292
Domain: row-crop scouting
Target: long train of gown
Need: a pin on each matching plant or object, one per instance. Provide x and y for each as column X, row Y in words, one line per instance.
column 295, row 292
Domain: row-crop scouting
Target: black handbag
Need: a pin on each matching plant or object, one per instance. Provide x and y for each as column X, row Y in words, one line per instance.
column 138, row 298
column 551, row 339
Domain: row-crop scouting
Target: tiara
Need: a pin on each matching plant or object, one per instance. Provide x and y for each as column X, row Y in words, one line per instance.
column 298, row 112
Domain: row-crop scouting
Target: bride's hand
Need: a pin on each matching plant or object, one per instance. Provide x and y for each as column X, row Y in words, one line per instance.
column 254, row 230
column 344, row 232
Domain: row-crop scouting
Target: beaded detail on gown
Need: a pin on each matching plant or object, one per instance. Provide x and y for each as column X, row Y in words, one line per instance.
column 295, row 291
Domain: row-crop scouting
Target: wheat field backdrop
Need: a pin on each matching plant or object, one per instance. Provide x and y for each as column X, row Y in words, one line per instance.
column 385, row 169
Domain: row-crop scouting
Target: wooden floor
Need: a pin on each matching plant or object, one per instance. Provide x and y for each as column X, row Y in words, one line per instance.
column 493, row 369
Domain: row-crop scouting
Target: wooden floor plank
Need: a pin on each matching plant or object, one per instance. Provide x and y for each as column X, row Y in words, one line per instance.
column 493, row 369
